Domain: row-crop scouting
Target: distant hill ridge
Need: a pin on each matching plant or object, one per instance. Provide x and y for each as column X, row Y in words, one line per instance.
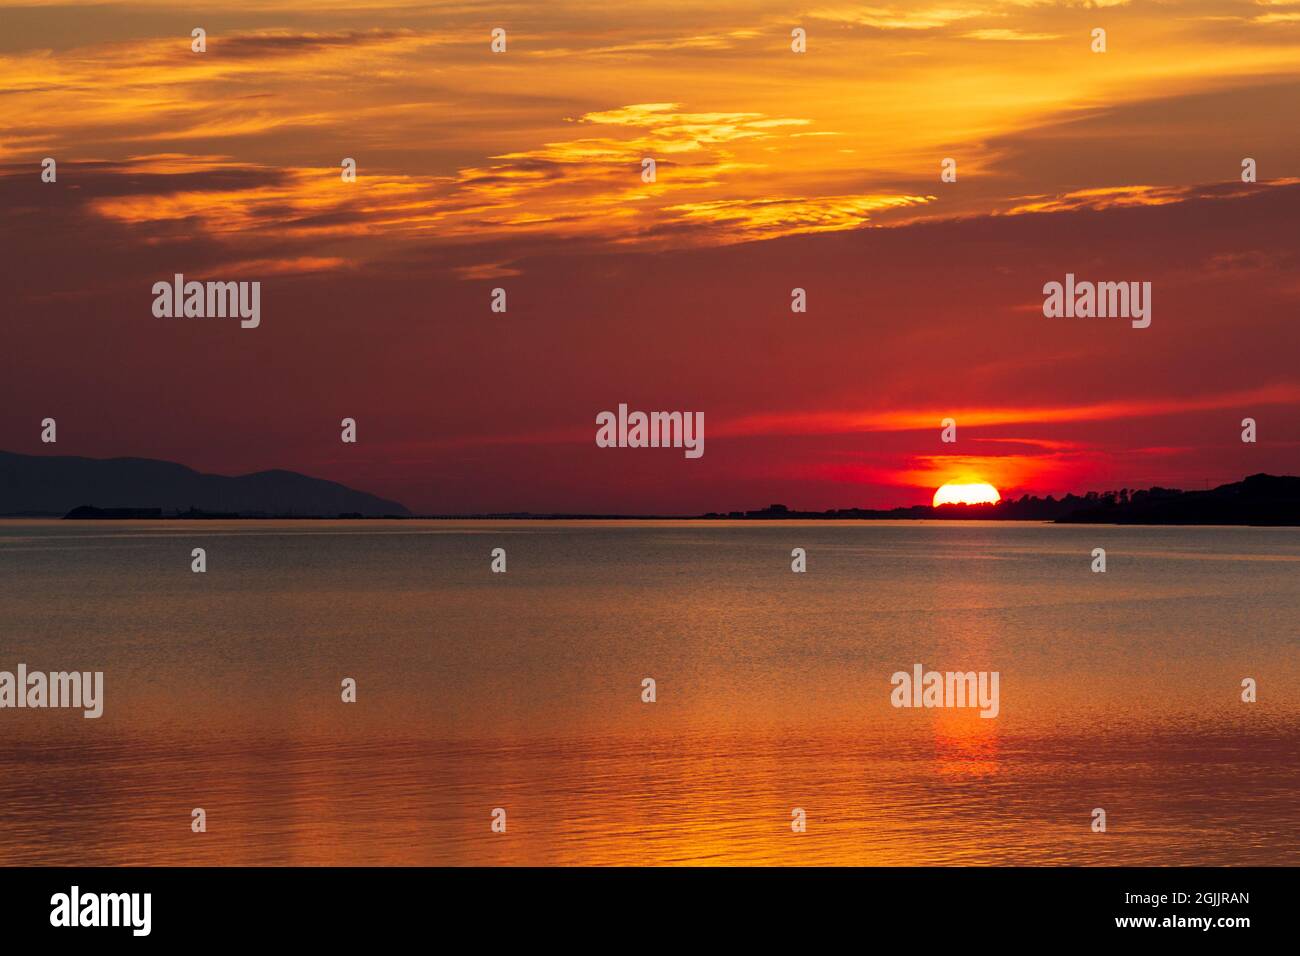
column 40, row 485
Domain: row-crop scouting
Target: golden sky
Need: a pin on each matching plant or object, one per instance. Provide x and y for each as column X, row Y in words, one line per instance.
column 751, row 139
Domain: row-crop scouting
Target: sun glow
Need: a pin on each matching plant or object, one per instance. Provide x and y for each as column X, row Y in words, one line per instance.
column 972, row 493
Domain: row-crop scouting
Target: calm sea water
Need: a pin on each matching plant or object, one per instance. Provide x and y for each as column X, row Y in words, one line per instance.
column 523, row 691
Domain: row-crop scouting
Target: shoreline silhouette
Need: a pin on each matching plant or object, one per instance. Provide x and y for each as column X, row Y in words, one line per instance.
column 134, row 489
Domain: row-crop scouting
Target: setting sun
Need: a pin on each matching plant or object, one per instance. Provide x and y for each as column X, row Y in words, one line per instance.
column 974, row 493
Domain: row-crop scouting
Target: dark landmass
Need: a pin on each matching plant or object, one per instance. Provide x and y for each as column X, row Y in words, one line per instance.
column 1257, row 500
column 55, row 486
column 89, row 513
column 85, row 512
column 142, row 489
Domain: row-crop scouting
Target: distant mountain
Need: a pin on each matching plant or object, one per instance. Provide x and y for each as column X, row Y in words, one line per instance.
column 54, row 485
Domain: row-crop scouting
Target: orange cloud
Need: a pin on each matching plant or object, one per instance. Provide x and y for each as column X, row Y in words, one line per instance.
column 587, row 186
column 838, row 422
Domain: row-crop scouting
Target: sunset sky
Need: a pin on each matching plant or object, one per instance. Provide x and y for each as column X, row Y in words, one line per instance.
column 775, row 170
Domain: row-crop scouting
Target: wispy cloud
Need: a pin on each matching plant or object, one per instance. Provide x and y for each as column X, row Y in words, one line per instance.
column 845, row 421
column 582, row 186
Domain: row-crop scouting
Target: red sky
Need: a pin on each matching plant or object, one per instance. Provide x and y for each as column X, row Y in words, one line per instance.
column 776, row 170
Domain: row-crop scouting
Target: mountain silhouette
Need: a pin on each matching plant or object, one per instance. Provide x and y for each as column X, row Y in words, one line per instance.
column 38, row 485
